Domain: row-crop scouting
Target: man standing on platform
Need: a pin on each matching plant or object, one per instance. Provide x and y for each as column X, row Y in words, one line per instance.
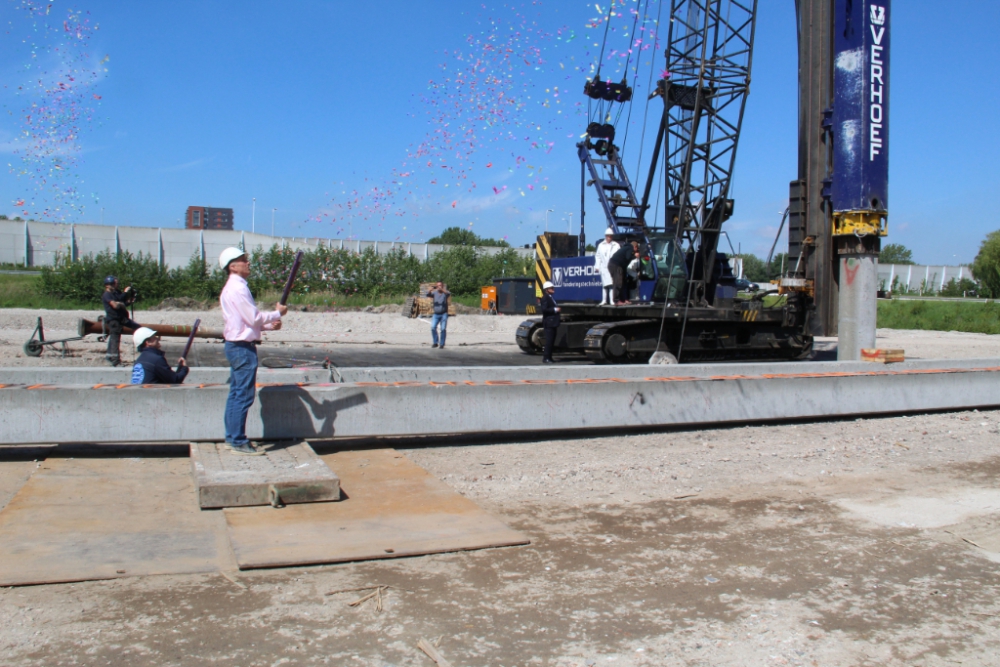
column 618, row 264
column 242, row 324
column 605, row 250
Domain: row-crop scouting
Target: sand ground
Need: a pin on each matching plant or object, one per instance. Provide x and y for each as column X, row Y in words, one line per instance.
column 844, row 542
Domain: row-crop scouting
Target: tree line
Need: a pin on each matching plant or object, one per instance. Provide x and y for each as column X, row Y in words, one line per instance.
column 985, row 269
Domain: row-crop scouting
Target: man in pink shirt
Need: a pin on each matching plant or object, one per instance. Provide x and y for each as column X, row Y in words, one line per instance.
column 242, row 324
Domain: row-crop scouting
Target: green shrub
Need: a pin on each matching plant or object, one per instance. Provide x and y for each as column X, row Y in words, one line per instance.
column 959, row 288
column 986, row 266
column 82, row 281
column 324, row 271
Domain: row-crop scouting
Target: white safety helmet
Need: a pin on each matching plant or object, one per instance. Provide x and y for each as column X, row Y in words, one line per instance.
column 141, row 335
column 609, row 232
column 547, row 285
column 228, row 255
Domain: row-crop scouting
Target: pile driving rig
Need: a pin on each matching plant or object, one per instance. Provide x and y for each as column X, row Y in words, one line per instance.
column 685, row 305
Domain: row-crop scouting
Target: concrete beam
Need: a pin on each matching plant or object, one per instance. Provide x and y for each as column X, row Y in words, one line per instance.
column 61, row 414
column 287, row 473
column 75, row 375
column 215, row 375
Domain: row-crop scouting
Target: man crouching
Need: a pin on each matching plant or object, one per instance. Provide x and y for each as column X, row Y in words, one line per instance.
column 151, row 366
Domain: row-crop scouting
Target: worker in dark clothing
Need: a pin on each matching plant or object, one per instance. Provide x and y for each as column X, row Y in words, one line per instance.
column 550, row 320
column 441, row 299
column 116, row 317
column 618, row 264
column 151, row 367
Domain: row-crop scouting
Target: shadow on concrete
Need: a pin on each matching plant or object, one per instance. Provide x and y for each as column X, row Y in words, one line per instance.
column 291, row 412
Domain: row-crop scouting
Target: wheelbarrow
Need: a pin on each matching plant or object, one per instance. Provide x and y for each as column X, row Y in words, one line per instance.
column 37, row 342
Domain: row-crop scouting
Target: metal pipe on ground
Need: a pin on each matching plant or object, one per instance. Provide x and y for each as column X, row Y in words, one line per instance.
column 85, row 327
column 108, row 414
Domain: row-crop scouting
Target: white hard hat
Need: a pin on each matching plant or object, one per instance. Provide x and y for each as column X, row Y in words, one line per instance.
column 609, row 232
column 142, row 334
column 228, row 255
column 547, row 285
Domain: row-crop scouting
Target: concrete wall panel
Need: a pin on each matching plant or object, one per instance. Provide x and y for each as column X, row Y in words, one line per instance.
column 217, row 240
column 11, row 242
column 254, row 241
column 94, row 239
column 48, row 239
column 914, row 277
column 179, row 245
column 140, row 239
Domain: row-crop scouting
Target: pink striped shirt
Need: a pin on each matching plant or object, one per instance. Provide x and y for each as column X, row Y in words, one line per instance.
column 242, row 321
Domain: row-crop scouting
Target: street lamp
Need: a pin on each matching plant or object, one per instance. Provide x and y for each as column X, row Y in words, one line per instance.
column 253, row 217
column 547, row 211
column 272, row 220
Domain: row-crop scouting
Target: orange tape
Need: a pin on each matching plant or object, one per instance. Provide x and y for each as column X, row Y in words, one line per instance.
column 510, row 383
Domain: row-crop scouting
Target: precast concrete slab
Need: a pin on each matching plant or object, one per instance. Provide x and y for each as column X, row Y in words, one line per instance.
column 96, row 518
column 394, row 509
column 288, row 473
column 155, row 413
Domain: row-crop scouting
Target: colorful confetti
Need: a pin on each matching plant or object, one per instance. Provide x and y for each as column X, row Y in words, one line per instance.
column 501, row 99
column 58, row 107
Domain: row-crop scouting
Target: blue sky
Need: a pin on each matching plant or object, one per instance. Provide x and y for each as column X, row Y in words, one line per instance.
column 299, row 104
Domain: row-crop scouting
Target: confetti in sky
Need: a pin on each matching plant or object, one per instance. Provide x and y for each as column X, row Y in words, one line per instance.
column 57, row 104
column 503, row 101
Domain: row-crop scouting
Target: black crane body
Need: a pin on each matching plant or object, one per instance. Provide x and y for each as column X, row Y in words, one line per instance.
column 682, row 301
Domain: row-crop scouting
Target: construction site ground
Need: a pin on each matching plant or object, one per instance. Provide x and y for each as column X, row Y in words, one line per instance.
column 390, row 333
column 841, row 542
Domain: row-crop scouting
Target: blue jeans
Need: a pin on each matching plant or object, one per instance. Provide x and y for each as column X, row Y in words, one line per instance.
column 441, row 319
column 242, row 390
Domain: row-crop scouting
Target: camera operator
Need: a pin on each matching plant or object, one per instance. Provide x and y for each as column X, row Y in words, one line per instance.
column 116, row 316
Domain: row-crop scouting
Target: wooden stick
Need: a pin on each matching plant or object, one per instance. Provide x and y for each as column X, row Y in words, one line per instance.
column 367, row 588
column 351, row 590
column 432, row 653
column 362, row 599
column 233, row 580
column 964, row 539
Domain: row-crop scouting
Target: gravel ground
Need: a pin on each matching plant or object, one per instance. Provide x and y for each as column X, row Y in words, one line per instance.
column 844, row 542
column 389, row 329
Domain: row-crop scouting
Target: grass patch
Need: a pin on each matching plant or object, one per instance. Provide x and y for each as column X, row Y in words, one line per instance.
column 973, row 317
column 21, row 291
